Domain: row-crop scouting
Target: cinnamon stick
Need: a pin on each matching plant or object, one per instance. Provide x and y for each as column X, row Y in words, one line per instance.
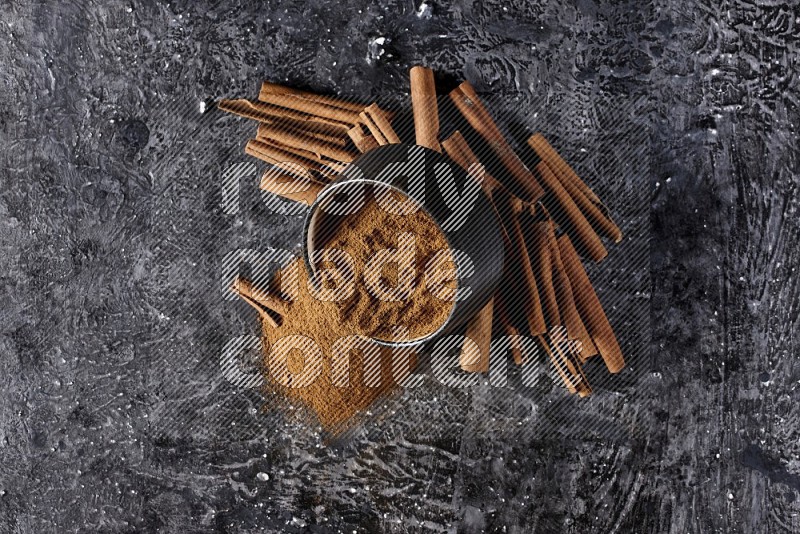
column 288, row 159
column 304, row 142
column 261, row 111
column 269, row 88
column 583, row 196
column 584, row 233
column 376, row 121
column 466, row 100
column 270, row 307
column 321, row 164
column 511, row 331
column 529, row 291
column 569, row 370
column 284, row 184
column 543, row 270
column 589, row 307
column 425, row 107
column 374, row 131
column 559, row 166
column 311, row 107
column 333, row 139
column 559, row 364
column 568, row 349
column 459, row 151
column 364, row 142
column 274, row 155
column 479, row 330
column 570, row 317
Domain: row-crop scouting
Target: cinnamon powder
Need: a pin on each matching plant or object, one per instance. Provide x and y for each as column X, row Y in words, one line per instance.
column 373, row 229
column 420, row 312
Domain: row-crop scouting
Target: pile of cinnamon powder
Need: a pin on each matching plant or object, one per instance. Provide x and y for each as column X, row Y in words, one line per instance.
column 419, row 313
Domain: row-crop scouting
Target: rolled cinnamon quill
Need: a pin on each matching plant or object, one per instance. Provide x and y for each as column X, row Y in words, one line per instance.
column 270, row 307
column 377, row 123
column 543, row 271
column 570, row 318
column 261, row 111
column 562, row 356
column 276, row 156
column 560, row 365
column 584, row 233
column 425, row 107
column 292, row 160
column 290, row 187
column 269, row 88
column 511, row 331
column 528, row 290
column 318, row 148
column 479, row 331
column 311, row 107
column 479, row 328
column 457, row 148
column 589, row 307
column 466, row 100
column 583, row 196
column 364, row 141
column 459, row 151
column 264, row 127
column 559, row 166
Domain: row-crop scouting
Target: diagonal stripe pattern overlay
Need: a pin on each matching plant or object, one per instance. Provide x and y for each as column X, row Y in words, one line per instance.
column 206, row 377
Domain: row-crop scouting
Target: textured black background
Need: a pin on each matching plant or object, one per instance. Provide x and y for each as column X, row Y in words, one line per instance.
column 98, row 234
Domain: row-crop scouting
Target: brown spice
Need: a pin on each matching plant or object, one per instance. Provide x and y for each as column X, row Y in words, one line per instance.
column 373, row 229
column 332, row 405
column 327, row 322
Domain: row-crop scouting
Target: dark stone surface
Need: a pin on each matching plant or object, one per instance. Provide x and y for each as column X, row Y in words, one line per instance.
column 107, row 211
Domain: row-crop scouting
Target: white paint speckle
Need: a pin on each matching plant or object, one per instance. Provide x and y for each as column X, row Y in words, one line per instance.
column 424, row 11
column 375, row 49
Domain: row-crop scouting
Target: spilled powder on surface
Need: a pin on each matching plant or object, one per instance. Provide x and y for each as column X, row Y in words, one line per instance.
column 324, row 322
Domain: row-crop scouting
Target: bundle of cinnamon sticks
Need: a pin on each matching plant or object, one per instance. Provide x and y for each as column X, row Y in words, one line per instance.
column 307, row 136
column 549, row 214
